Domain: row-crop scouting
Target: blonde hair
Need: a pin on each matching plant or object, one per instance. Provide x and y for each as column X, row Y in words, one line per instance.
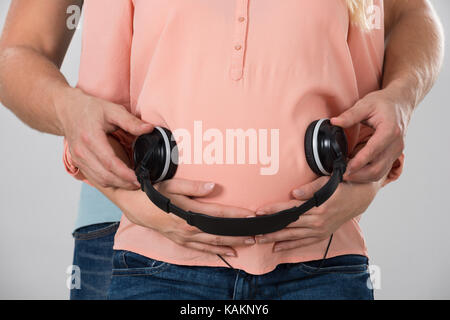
column 358, row 10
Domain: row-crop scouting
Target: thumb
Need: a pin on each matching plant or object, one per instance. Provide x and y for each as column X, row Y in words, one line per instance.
column 307, row 191
column 122, row 118
column 276, row 207
column 186, row 187
column 356, row 114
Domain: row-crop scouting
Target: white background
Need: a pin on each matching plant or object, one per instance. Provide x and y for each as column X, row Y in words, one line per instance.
column 406, row 227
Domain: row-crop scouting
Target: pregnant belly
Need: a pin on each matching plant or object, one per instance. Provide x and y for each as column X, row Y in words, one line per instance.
column 252, row 161
column 250, row 145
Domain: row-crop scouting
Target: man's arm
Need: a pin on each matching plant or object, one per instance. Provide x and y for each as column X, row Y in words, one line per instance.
column 415, row 48
column 414, row 56
column 32, row 48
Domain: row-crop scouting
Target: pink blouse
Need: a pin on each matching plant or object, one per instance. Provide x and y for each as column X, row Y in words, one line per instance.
column 205, row 67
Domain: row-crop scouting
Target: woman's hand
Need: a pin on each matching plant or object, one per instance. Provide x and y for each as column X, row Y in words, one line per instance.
column 139, row 210
column 349, row 201
column 86, row 121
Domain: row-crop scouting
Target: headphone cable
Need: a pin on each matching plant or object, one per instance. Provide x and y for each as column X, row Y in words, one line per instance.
column 321, row 262
column 326, row 253
column 226, row 262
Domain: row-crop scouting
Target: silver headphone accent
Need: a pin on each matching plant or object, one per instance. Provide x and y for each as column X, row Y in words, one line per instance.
column 316, row 148
column 168, row 154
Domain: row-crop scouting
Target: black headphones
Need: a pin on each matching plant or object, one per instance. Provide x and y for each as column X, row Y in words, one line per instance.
column 156, row 155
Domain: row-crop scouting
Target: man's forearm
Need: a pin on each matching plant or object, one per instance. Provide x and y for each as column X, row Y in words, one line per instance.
column 30, row 86
column 414, row 51
column 33, row 44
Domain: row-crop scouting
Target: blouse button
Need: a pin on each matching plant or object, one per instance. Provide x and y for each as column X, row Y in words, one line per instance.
column 238, row 47
column 241, row 19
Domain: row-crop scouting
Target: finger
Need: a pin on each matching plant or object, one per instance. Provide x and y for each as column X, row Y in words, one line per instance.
column 286, row 234
column 276, row 207
column 99, row 177
column 221, row 250
column 307, row 191
column 376, row 170
column 89, row 165
column 102, row 180
column 292, row 244
column 223, row 240
column 306, row 220
column 212, row 209
column 187, row 187
column 356, row 114
column 122, row 174
column 218, row 210
column 107, row 180
column 122, row 118
column 380, row 140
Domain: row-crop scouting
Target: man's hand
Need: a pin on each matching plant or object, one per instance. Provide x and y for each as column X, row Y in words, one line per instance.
column 32, row 48
column 186, row 194
column 349, row 201
column 86, row 121
column 389, row 116
column 413, row 57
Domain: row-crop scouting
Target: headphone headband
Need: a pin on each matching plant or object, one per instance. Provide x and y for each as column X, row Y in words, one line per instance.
column 245, row 226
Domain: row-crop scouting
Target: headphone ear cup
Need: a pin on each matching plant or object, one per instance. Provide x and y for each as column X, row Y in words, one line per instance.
column 309, row 153
column 341, row 143
column 154, row 151
column 147, row 152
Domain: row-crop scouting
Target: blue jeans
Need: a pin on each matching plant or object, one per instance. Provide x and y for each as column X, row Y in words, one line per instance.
column 93, row 255
column 138, row 277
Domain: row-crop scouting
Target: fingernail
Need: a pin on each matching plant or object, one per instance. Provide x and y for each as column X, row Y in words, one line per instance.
column 250, row 241
column 298, row 193
column 209, row 185
column 230, row 254
column 250, row 216
column 262, row 240
column 277, row 249
column 137, row 184
column 260, row 213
